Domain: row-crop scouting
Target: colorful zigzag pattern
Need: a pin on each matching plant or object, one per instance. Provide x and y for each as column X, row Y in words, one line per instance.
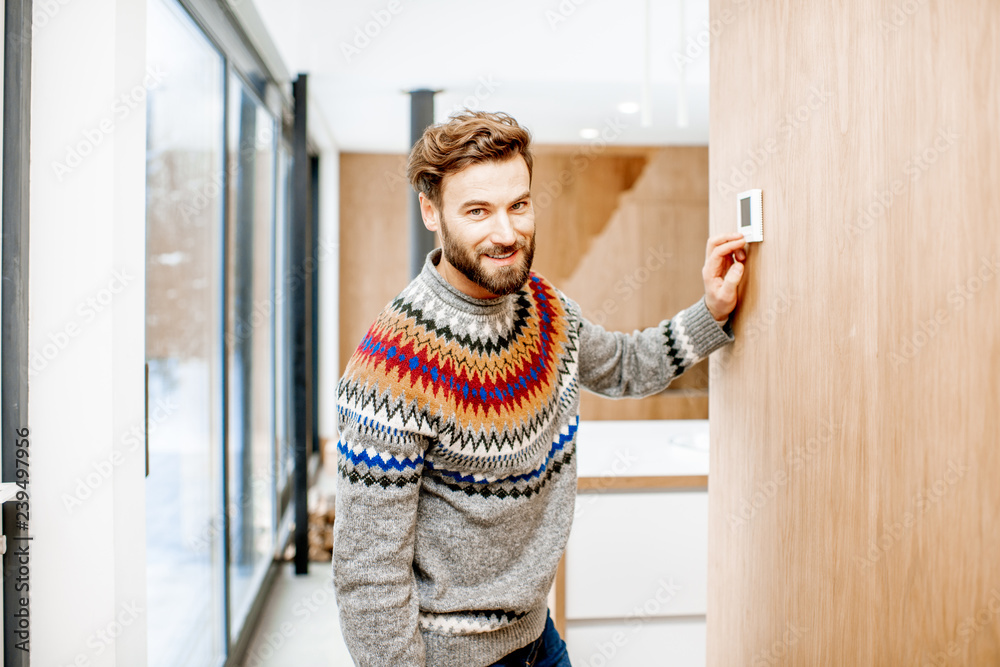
column 482, row 389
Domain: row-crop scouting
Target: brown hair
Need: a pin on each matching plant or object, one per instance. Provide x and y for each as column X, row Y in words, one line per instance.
column 467, row 138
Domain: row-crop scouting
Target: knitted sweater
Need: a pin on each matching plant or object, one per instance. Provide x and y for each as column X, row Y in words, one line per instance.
column 457, row 461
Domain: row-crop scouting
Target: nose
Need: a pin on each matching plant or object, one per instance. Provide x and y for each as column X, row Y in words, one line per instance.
column 502, row 232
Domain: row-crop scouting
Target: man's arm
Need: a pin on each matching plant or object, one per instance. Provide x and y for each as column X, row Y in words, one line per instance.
column 620, row 365
column 615, row 364
column 377, row 489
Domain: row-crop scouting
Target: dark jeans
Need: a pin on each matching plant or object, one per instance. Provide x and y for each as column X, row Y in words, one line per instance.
column 549, row 650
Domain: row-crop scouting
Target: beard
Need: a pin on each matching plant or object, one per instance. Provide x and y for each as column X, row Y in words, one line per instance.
column 498, row 280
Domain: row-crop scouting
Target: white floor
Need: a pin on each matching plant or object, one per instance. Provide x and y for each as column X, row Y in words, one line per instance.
column 299, row 626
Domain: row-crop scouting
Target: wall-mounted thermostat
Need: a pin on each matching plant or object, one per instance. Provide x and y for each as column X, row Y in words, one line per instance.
column 750, row 215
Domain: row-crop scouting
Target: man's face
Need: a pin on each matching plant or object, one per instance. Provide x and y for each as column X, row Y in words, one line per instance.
column 487, row 227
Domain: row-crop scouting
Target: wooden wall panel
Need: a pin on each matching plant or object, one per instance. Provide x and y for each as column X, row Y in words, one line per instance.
column 374, row 241
column 576, row 192
column 855, row 423
column 645, row 266
column 621, row 230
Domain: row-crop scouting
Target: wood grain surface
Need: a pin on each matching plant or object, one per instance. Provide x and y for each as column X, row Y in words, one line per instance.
column 645, row 266
column 374, row 241
column 855, row 454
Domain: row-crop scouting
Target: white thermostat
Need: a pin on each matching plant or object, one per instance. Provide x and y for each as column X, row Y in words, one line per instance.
column 750, row 215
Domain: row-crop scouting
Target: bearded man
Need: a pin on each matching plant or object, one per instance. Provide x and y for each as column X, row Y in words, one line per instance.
column 458, row 415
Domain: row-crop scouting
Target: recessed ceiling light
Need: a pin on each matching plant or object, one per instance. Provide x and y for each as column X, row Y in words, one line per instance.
column 589, row 133
column 628, row 107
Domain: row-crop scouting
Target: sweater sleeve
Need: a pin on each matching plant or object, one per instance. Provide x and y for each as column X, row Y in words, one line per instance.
column 379, row 473
column 642, row 363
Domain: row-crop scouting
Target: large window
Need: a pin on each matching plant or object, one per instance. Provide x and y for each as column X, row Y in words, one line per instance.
column 216, row 343
column 184, row 343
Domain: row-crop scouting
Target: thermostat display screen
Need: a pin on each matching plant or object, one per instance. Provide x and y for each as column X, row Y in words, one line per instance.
column 749, row 212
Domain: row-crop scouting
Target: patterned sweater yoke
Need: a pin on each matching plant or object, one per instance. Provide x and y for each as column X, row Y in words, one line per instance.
column 457, row 470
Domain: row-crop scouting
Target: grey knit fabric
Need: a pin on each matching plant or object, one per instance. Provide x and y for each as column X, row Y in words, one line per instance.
column 457, row 461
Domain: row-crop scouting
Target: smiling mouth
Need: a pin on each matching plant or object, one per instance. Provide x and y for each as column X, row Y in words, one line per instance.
column 509, row 254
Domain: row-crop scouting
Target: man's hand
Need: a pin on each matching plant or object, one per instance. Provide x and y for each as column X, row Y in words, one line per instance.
column 722, row 272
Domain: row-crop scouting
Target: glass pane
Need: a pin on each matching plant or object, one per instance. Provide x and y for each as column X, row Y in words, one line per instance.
column 184, row 342
column 251, row 348
column 282, row 415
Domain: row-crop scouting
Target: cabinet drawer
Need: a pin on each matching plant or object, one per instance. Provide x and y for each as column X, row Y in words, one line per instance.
column 652, row 643
column 638, row 555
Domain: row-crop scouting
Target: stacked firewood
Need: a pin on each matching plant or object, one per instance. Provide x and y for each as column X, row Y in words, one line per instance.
column 321, row 513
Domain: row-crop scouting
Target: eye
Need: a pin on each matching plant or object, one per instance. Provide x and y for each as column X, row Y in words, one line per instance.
column 476, row 212
column 520, row 206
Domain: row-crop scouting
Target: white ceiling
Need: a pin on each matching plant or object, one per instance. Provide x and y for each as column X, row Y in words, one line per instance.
column 557, row 66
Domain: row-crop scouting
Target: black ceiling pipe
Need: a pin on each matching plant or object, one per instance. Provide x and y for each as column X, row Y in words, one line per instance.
column 421, row 117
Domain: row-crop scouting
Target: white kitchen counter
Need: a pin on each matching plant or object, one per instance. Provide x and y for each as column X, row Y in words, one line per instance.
column 650, row 448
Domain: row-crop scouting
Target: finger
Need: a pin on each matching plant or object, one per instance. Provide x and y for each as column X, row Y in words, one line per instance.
column 731, row 246
column 727, row 288
column 719, row 239
column 734, row 274
column 716, row 263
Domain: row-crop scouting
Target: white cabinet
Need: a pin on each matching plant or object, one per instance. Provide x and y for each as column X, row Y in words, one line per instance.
column 636, row 562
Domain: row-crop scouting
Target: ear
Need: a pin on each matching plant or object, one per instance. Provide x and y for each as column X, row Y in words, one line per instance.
column 429, row 213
